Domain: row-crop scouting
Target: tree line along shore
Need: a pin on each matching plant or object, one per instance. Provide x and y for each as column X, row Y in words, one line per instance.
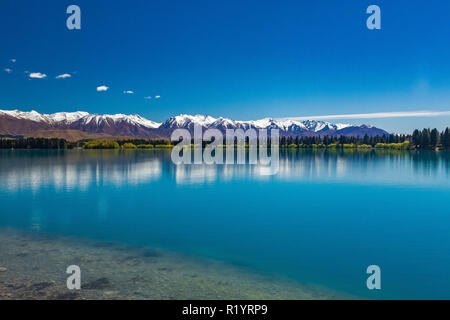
column 420, row 139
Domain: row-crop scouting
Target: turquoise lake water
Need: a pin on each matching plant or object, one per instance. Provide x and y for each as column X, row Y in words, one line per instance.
column 323, row 219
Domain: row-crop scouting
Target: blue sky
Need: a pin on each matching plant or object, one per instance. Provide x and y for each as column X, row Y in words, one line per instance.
column 238, row 59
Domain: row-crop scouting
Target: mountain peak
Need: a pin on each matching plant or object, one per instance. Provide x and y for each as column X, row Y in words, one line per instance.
column 188, row 121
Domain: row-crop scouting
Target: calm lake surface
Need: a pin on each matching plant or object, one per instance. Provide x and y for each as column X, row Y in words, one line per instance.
column 322, row 220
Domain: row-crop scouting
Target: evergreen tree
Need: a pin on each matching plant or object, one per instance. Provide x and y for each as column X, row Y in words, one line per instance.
column 426, row 139
column 434, row 138
column 446, row 139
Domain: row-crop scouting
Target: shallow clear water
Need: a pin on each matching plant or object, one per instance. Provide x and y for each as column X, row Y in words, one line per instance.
column 323, row 219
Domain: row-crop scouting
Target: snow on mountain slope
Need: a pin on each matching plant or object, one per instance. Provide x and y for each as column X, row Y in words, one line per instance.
column 187, row 121
column 31, row 115
column 340, row 126
column 321, row 126
column 286, row 126
column 118, row 118
column 65, row 117
column 135, row 125
column 86, row 118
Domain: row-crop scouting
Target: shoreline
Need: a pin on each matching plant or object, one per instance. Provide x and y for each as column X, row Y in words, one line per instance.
column 281, row 147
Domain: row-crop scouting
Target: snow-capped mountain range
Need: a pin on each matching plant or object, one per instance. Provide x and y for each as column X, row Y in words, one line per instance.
column 85, row 118
column 15, row 122
column 287, row 125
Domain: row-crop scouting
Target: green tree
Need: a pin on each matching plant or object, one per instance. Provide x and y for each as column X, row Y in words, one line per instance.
column 446, row 139
column 426, row 138
column 434, row 138
column 416, row 138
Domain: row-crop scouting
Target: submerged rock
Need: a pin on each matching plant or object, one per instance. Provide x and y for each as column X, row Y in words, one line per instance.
column 66, row 296
column 151, row 253
column 101, row 283
column 41, row 285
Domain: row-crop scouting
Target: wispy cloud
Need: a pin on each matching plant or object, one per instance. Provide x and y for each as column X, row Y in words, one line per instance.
column 63, row 76
column 37, row 75
column 128, row 92
column 8, row 70
column 377, row 115
column 147, row 97
column 102, row 88
column 13, row 60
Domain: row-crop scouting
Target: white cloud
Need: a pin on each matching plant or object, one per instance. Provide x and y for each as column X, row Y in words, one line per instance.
column 8, row 70
column 404, row 114
column 13, row 60
column 102, row 88
column 147, row 97
column 63, row 76
column 128, row 92
column 37, row 75
column 157, row 97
